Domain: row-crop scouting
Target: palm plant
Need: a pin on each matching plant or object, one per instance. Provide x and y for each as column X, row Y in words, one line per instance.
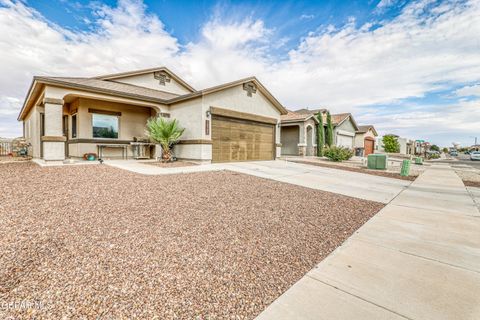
column 164, row 132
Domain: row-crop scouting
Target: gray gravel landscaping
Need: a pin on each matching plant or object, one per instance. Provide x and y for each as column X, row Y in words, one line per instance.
column 100, row 242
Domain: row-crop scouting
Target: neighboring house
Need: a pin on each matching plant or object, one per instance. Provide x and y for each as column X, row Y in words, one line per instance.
column 67, row 117
column 407, row 146
column 298, row 132
column 299, row 136
column 365, row 140
column 344, row 129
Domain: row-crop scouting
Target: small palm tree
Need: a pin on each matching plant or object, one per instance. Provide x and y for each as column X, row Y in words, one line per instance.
column 165, row 132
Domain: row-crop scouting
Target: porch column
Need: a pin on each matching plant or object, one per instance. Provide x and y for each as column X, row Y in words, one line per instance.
column 53, row 140
column 302, row 140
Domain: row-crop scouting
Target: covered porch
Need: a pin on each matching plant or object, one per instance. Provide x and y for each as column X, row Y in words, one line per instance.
column 71, row 124
column 298, row 138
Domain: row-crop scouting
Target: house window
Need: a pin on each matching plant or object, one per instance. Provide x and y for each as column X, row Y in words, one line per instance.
column 105, row 126
column 74, row 126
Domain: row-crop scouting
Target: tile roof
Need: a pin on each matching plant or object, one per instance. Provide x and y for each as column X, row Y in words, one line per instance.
column 291, row 116
column 365, row 128
column 339, row 117
column 310, row 111
column 300, row 115
column 111, row 86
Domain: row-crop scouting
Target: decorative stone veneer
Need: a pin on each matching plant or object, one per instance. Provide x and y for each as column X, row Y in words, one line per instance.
column 302, row 150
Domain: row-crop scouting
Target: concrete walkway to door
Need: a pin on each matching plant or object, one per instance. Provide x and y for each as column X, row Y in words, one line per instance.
column 418, row 258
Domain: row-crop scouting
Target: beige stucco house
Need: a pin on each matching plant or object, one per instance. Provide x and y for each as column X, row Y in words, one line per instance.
column 299, row 131
column 68, row 117
column 365, row 140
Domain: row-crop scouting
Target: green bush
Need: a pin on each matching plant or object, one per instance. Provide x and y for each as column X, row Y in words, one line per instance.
column 390, row 144
column 338, row 154
column 434, row 147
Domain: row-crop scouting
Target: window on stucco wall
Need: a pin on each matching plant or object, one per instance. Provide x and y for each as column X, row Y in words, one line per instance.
column 104, row 126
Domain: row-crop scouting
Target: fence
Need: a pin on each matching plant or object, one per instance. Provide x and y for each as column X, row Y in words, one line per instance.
column 6, row 148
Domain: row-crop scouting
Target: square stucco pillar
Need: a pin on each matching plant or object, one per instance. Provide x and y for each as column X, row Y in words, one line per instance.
column 53, row 140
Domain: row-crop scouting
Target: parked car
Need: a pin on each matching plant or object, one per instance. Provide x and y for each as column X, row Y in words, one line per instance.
column 453, row 153
column 467, row 152
column 475, row 155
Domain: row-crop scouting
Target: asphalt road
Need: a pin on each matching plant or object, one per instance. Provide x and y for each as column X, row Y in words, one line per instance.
column 462, row 159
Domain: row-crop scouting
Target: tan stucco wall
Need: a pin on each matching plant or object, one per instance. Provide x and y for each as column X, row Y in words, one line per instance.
column 310, row 123
column 147, row 80
column 189, row 115
column 360, row 138
column 32, row 131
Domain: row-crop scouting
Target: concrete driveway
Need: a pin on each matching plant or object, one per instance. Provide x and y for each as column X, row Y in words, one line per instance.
column 353, row 184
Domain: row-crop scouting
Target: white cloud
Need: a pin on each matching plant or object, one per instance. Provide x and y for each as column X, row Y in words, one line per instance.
column 385, row 4
column 307, row 17
column 429, row 46
column 468, row 91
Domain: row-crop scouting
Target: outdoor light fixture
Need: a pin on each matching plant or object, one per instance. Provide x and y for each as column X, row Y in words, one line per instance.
column 208, row 113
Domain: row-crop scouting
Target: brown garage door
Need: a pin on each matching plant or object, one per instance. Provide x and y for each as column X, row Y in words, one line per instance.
column 241, row 140
column 369, row 145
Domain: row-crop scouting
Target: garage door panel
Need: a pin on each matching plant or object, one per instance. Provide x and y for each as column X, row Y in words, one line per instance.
column 241, row 140
column 344, row 141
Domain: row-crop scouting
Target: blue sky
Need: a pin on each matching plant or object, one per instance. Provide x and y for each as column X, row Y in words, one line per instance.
column 408, row 67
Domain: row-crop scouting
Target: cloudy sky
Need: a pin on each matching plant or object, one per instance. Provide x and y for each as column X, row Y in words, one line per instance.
column 408, row 67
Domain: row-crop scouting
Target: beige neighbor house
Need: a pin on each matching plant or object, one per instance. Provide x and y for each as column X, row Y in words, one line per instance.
column 299, row 131
column 67, row 117
column 365, row 140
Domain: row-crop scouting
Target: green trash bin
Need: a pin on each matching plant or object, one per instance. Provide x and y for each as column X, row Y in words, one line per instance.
column 377, row 161
column 405, row 171
column 418, row 160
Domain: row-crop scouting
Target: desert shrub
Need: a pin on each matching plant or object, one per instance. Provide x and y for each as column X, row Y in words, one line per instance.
column 338, row 154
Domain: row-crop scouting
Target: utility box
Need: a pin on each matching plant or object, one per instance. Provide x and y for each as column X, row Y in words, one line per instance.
column 418, row 160
column 377, row 161
column 405, row 170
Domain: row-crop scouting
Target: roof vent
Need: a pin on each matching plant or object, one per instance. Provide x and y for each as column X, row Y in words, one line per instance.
column 250, row 87
column 162, row 77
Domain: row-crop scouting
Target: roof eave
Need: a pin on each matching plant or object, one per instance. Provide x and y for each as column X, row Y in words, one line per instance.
column 65, row 84
column 228, row 85
column 143, row 71
column 27, row 98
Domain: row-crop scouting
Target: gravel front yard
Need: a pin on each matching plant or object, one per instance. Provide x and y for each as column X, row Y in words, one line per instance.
column 99, row 242
column 470, row 176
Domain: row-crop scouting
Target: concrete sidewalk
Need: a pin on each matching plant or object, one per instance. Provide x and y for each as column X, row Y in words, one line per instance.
column 418, row 258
